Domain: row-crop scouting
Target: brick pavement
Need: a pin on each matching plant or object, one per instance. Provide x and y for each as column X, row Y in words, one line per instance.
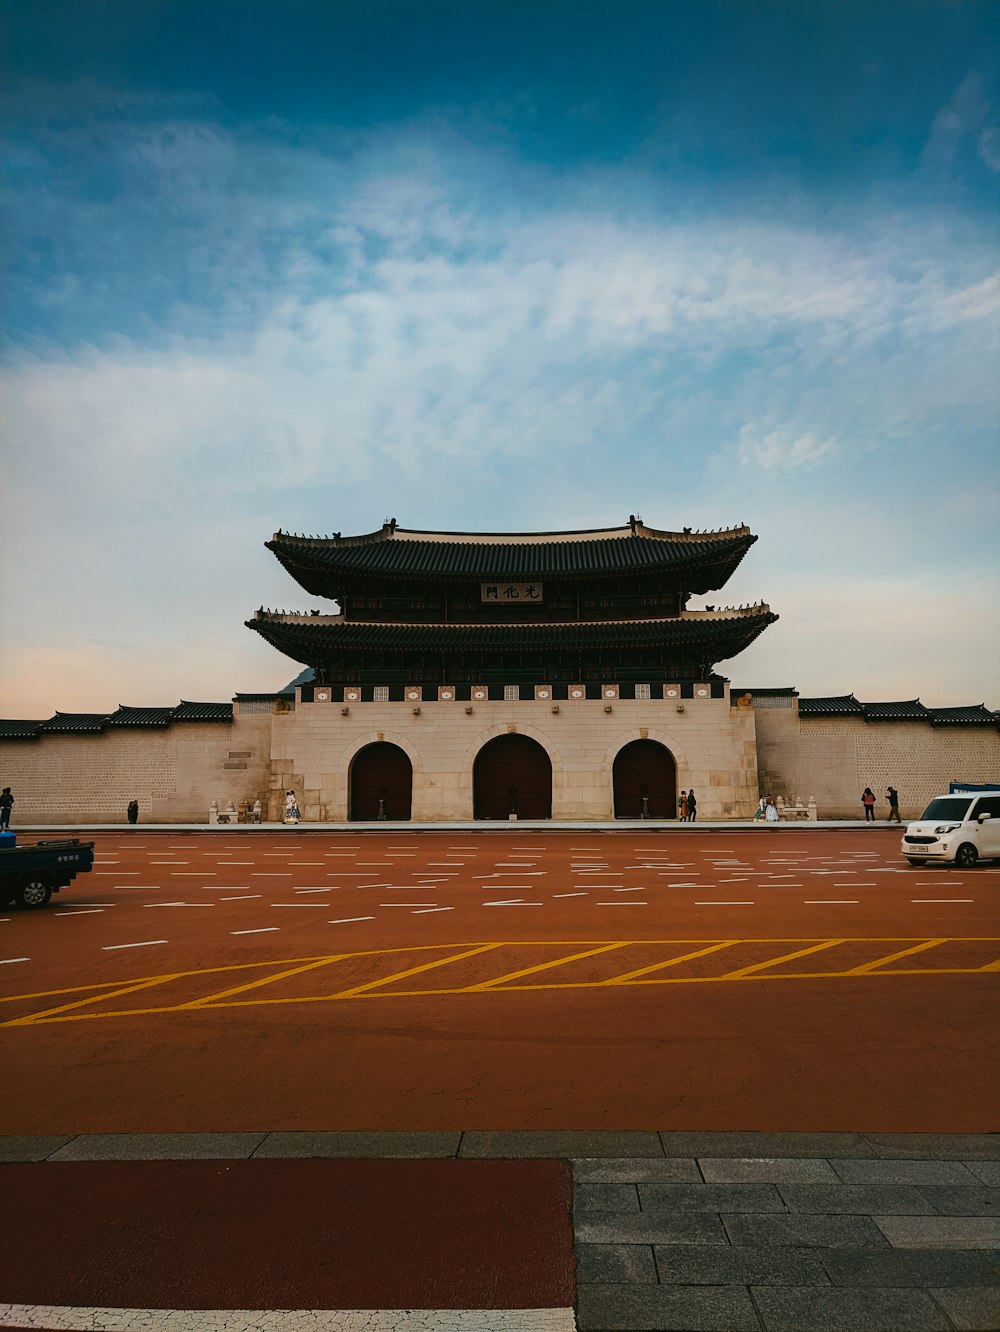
column 748, row 1232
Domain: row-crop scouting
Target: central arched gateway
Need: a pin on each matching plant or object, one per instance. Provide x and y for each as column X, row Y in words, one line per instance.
column 645, row 781
column 512, row 775
column 381, row 784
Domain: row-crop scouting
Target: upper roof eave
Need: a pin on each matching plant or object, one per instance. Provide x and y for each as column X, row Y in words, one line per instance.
column 328, row 566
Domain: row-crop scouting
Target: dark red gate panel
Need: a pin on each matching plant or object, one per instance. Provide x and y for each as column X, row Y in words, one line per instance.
column 383, row 773
column 645, row 770
column 512, row 775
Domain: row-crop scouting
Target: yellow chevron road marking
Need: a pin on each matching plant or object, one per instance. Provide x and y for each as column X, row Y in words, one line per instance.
column 247, row 994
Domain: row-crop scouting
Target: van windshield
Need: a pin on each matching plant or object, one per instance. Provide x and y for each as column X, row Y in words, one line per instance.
column 950, row 809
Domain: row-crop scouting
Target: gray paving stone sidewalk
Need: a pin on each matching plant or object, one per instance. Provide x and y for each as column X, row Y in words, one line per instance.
column 870, row 1241
column 711, row 1232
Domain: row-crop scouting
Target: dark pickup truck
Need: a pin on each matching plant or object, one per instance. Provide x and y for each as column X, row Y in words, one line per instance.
column 29, row 875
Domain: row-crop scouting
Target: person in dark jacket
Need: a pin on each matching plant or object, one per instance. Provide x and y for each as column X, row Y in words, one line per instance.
column 892, row 795
column 133, row 811
column 6, row 805
column 692, row 807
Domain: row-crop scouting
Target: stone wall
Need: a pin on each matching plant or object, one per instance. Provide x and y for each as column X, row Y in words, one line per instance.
column 174, row 773
column 835, row 758
column 712, row 745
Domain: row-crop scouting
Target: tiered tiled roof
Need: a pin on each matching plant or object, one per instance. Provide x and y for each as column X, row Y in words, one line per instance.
column 312, row 639
column 840, row 705
column 151, row 717
column 95, row 723
column 77, row 723
column 978, row 715
column 320, row 564
column 203, row 712
column 19, row 730
column 908, row 710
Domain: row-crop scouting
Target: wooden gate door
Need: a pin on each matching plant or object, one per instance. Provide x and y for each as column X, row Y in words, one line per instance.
column 381, row 784
column 512, row 775
column 645, row 771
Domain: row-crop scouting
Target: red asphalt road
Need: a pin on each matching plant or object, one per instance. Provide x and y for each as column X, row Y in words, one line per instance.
column 287, row 1234
column 879, row 1052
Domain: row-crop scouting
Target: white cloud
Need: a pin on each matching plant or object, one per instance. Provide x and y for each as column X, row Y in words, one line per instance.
column 780, row 447
column 394, row 345
column 969, row 116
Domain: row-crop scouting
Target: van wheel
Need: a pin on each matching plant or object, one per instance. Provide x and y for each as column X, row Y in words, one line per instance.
column 916, row 860
column 966, row 856
column 33, row 892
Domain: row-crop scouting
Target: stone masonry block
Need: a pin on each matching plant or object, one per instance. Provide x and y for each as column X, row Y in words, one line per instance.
column 758, row 1198
column 767, row 1171
column 615, row 1264
column 904, row 1172
column 941, row 1232
column 690, row 1265
column 661, row 1308
column 856, row 1199
column 909, row 1267
column 839, row 1310
column 806, row 1231
column 636, row 1170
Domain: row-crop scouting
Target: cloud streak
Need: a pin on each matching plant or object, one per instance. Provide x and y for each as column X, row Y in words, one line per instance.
column 233, row 330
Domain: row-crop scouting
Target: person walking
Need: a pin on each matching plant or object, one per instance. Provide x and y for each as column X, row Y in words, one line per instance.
column 892, row 795
column 771, row 811
column 291, row 808
column 133, row 811
column 6, row 805
column 692, row 807
column 682, row 806
column 868, row 800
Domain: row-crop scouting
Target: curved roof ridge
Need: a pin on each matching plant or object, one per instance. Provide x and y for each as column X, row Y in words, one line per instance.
column 391, row 531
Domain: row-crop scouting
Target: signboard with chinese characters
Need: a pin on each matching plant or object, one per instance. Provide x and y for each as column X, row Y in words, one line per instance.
column 507, row 593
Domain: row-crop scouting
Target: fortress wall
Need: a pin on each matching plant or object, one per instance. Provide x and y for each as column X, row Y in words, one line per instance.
column 713, row 746
column 174, row 773
column 835, row 758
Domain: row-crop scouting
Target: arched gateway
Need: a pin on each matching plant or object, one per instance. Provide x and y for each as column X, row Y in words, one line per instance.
column 512, row 775
column 576, row 637
column 645, row 781
column 381, row 784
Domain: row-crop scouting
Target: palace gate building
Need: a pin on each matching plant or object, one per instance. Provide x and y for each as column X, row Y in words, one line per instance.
column 494, row 676
column 460, row 675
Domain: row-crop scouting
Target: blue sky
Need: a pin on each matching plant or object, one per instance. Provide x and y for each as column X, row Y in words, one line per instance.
column 503, row 267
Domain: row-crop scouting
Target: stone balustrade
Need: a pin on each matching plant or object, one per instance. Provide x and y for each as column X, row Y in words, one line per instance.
column 798, row 810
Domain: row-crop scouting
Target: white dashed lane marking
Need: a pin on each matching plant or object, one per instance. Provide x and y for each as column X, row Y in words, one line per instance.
column 5, row 960
column 349, row 920
column 146, row 943
column 266, row 929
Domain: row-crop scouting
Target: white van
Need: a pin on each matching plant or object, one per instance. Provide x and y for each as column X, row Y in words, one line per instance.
column 962, row 828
